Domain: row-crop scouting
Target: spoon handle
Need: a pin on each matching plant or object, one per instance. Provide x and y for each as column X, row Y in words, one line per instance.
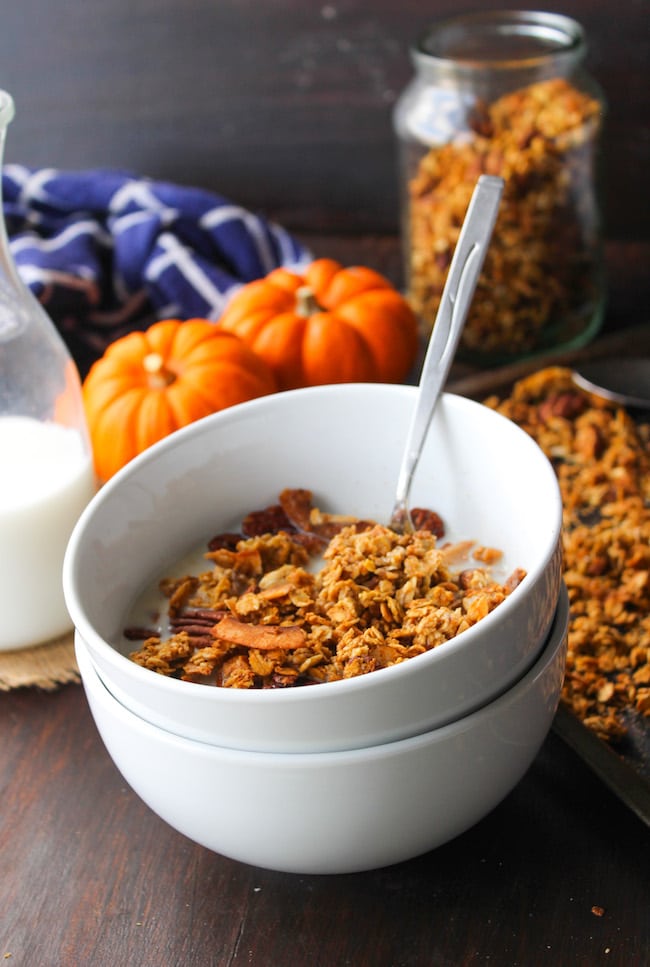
column 457, row 295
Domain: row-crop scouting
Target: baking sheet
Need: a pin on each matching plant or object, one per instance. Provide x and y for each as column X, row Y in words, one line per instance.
column 625, row 769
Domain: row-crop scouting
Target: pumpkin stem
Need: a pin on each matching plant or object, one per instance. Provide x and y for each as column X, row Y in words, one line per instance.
column 154, row 366
column 306, row 304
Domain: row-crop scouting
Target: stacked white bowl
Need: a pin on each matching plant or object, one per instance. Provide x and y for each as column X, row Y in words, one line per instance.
column 347, row 775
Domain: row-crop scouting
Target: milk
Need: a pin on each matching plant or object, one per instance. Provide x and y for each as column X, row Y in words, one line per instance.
column 46, row 479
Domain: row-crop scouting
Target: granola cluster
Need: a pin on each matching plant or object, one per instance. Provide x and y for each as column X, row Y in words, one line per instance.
column 602, row 460
column 259, row 618
column 542, row 266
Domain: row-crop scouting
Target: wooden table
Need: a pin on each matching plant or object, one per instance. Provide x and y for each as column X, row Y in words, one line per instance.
column 558, row 874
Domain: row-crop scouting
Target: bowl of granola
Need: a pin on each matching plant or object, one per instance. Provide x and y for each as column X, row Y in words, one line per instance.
column 237, row 583
column 392, row 801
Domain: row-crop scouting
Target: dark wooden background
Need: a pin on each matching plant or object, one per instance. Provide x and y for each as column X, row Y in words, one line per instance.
column 284, row 106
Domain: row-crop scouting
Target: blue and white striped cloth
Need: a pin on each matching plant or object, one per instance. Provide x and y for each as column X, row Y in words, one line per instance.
column 106, row 252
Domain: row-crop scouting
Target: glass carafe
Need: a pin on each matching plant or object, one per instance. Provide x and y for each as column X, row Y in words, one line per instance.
column 46, row 475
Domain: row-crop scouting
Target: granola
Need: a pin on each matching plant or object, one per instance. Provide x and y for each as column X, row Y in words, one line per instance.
column 602, row 459
column 260, row 618
column 543, row 265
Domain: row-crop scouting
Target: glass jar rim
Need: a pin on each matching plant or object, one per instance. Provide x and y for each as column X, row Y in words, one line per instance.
column 456, row 42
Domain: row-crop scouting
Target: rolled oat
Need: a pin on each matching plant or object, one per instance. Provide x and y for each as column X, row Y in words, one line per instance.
column 541, row 282
column 602, row 460
column 259, row 618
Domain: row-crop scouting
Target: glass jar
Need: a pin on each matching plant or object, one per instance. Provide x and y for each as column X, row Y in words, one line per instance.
column 46, row 476
column 504, row 93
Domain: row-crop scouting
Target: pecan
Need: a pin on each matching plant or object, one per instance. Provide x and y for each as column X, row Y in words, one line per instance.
column 227, row 540
column 199, row 630
column 135, row 633
column 565, row 405
column 204, row 615
column 428, row 520
column 515, row 579
column 297, row 505
column 267, row 521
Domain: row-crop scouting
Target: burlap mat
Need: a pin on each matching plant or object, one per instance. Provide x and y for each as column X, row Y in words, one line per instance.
column 46, row 666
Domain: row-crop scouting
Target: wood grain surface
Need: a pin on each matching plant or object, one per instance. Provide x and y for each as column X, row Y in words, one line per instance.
column 282, row 105
column 285, row 106
column 556, row 875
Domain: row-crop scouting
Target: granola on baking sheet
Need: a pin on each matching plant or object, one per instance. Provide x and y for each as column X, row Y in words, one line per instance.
column 543, row 262
column 602, row 459
column 259, row 618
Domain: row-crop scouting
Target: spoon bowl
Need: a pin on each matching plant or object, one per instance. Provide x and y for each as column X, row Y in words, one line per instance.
column 624, row 380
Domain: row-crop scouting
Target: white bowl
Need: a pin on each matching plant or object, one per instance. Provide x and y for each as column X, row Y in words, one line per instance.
column 336, row 812
column 483, row 474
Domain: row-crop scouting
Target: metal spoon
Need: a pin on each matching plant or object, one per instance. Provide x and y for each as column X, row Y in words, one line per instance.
column 457, row 295
column 624, row 380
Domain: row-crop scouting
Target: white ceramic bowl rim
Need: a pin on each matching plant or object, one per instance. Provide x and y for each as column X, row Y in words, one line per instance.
column 299, row 694
column 552, row 648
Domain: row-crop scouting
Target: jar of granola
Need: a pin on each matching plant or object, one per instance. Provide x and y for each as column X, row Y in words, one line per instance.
column 505, row 93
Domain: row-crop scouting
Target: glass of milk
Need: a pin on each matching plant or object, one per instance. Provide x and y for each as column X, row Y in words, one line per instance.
column 46, row 471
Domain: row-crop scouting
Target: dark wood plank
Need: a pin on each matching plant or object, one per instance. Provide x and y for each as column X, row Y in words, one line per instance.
column 283, row 106
column 88, row 875
column 286, row 108
column 634, row 341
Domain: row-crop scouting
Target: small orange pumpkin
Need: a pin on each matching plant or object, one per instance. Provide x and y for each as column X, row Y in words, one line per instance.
column 148, row 384
column 330, row 325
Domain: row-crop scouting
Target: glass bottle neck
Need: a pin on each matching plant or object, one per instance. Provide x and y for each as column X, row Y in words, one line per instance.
column 6, row 116
column 6, row 111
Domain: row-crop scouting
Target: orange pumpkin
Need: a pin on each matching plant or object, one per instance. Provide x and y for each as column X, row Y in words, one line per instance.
column 330, row 325
column 148, row 384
